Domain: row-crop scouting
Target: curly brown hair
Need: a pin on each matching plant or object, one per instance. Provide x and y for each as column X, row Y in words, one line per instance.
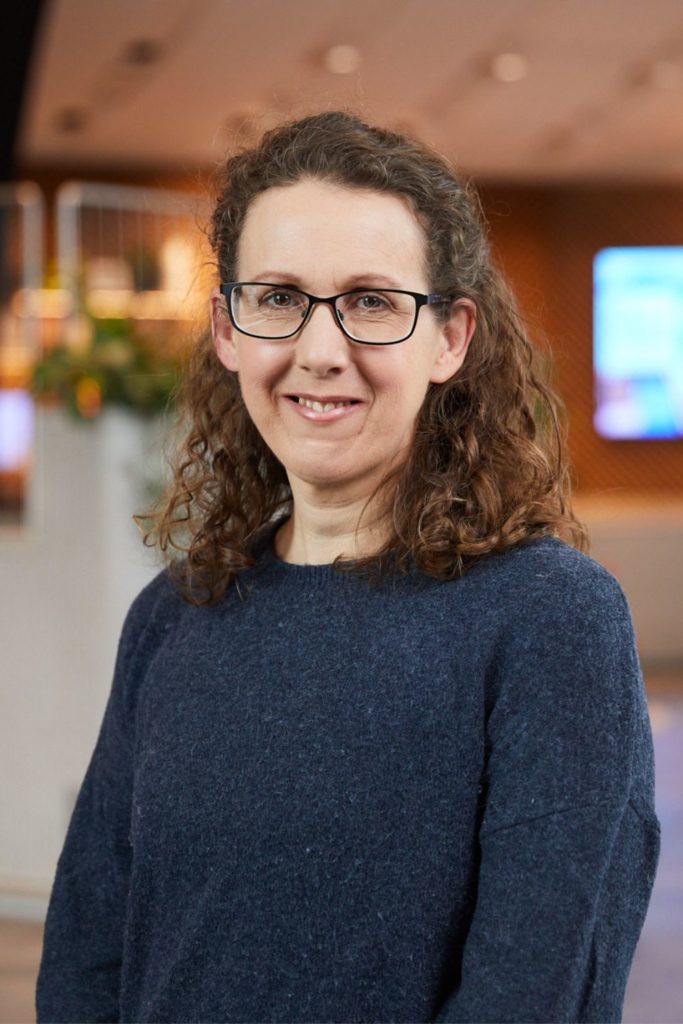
column 487, row 469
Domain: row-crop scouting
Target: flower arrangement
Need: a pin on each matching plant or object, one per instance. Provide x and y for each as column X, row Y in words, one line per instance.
column 111, row 363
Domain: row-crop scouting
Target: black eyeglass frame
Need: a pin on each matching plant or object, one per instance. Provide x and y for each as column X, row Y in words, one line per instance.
column 226, row 290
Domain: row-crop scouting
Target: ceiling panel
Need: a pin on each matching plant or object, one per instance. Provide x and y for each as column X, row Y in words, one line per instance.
column 588, row 106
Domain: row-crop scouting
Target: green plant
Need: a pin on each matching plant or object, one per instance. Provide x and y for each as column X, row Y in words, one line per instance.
column 117, row 365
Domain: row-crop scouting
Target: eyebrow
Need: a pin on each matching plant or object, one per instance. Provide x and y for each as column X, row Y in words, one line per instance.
column 361, row 279
column 370, row 279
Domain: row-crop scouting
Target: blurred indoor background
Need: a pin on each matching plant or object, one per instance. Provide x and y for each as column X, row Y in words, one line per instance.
column 568, row 117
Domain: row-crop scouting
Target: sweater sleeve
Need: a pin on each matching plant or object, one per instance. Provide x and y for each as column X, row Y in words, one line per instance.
column 79, row 973
column 569, row 839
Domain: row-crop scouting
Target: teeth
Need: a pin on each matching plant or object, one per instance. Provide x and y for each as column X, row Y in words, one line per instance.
column 319, row 407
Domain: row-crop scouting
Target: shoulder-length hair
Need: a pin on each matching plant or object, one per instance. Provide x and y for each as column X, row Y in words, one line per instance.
column 487, row 469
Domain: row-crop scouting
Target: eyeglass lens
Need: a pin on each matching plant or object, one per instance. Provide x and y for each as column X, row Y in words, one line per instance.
column 274, row 312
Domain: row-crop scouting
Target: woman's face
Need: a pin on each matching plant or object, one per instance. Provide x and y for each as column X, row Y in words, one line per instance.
column 326, row 239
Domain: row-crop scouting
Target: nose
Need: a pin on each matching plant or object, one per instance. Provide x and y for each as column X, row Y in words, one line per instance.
column 321, row 346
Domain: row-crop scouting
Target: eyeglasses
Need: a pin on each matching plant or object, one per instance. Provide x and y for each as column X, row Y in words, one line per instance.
column 372, row 316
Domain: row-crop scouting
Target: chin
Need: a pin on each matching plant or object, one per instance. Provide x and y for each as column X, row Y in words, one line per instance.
column 320, row 477
column 323, row 473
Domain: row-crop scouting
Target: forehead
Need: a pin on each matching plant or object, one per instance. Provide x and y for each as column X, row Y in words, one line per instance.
column 324, row 232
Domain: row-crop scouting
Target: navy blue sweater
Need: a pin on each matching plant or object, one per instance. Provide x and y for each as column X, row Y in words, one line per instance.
column 319, row 802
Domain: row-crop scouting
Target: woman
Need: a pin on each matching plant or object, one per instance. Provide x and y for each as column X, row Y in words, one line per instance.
column 377, row 747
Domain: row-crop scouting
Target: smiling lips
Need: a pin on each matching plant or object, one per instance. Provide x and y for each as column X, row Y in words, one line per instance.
column 323, row 408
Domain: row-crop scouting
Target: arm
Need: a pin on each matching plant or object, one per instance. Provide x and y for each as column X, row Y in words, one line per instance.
column 79, row 973
column 569, row 840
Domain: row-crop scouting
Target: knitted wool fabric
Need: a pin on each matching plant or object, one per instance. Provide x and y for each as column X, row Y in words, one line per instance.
column 319, row 801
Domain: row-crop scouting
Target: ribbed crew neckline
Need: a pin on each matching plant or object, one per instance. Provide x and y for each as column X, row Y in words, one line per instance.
column 314, row 573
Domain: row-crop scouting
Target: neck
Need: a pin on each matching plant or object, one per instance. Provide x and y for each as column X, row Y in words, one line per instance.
column 321, row 528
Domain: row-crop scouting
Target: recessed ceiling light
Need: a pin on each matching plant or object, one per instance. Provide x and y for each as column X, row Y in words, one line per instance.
column 342, row 60
column 141, row 52
column 509, row 67
column 71, row 120
column 242, row 124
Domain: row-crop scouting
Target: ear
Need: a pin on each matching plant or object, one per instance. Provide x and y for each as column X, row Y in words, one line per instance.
column 222, row 332
column 456, row 335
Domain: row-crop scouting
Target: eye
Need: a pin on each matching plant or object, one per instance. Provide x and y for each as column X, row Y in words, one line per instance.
column 280, row 299
column 370, row 302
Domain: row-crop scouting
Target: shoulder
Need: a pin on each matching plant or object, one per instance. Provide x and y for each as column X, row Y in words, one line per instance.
column 160, row 593
column 562, row 636
column 151, row 619
column 548, row 558
column 565, row 695
column 550, row 579
column 566, row 647
column 155, row 610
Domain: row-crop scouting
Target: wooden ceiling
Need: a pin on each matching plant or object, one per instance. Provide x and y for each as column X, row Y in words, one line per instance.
column 513, row 90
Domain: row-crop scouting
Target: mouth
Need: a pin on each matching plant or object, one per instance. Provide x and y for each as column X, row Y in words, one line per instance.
column 323, row 409
column 322, row 404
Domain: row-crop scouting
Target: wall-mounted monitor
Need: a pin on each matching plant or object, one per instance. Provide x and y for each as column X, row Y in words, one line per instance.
column 638, row 342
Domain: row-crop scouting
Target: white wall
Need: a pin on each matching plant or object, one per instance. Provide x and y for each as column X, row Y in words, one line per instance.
column 67, row 585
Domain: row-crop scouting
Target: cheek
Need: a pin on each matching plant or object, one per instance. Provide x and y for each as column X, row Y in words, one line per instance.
column 406, row 375
column 259, row 367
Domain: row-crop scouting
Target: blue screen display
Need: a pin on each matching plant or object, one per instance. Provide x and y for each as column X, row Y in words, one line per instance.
column 16, row 429
column 638, row 342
